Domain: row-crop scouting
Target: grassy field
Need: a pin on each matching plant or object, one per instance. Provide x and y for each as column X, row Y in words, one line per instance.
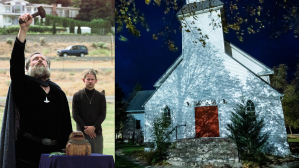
column 108, row 127
column 294, row 138
column 50, row 49
column 127, row 149
column 70, row 82
column 123, row 162
column 61, row 63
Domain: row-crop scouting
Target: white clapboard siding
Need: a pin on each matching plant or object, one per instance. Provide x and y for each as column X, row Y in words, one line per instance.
column 209, row 73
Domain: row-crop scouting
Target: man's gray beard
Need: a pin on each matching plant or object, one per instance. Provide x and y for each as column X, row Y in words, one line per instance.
column 39, row 72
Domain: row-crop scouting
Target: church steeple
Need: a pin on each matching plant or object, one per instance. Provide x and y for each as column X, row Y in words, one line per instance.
column 201, row 23
column 192, row 1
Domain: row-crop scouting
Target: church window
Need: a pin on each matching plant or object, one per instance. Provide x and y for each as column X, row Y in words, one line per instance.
column 137, row 124
column 250, row 108
column 167, row 111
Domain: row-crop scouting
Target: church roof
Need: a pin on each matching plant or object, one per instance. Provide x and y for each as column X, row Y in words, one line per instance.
column 266, row 71
column 136, row 103
column 256, row 75
column 168, row 71
column 180, row 58
column 197, row 6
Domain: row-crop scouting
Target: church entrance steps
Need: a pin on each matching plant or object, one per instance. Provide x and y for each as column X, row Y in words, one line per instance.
column 204, row 151
column 198, row 165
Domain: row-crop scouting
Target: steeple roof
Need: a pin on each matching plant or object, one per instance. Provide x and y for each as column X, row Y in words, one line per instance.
column 198, row 6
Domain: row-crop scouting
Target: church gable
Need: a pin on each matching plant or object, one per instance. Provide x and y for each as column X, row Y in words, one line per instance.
column 250, row 62
column 213, row 78
column 169, row 71
column 207, row 79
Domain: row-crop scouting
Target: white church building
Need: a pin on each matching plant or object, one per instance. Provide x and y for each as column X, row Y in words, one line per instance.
column 210, row 81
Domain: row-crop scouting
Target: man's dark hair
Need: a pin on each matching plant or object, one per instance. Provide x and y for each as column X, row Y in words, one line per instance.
column 28, row 60
column 92, row 72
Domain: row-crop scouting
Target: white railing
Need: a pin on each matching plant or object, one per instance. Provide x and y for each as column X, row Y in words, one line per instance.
column 18, row 12
column 69, row 14
column 7, row 24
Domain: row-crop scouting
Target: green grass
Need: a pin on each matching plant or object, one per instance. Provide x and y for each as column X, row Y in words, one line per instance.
column 46, row 51
column 107, row 71
column 99, row 51
column 108, row 128
column 122, row 162
column 94, row 53
column 105, row 52
column 2, row 71
column 1, row 115
column 128, row 148
column 294, row 138
column 51, row 33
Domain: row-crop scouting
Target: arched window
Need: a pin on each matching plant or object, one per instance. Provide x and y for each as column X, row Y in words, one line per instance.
column 250, row 108
column 167, row 111
column 166, row 114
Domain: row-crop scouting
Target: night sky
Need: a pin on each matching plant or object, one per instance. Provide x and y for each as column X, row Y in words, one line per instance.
column 144, row 60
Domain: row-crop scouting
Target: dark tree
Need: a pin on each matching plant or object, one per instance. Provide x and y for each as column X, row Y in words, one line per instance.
column 42, row 21
column 120, row 109
column 241, row 17
column 123, row 120
column 137, row 88
column 79, row 29
column 279, row 79
column 54, row 28
column 75, row 3
column 95, row 9
column 72, row 26
column 36, row 21
column 64, row 23
column 291, row 107
column 291, row 95
column 64, row 2
column 245, row 131
column 160, row 130
column 295, row 81
column 47, row 22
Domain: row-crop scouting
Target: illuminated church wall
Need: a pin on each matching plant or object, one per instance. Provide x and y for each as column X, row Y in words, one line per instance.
column 208, row 76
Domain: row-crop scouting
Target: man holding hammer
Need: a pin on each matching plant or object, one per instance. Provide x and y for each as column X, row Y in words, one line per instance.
column 36, row 117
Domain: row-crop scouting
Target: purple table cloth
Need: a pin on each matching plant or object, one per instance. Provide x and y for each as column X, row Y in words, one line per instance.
column 62, row 161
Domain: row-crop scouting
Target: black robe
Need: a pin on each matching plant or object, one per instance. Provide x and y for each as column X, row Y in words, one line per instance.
column 44, row 120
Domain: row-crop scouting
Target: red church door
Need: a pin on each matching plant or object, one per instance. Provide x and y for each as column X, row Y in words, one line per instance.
column 206, row 121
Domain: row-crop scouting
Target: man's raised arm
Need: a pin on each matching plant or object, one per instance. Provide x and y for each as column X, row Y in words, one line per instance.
column 24, row 26
column 17, row 61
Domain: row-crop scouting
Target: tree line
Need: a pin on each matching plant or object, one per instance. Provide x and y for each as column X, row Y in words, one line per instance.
column 89, row 9
column 241, row 17
column 290, row 89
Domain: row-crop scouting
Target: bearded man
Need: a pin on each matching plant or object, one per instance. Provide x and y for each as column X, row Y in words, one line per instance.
column 36, row 117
